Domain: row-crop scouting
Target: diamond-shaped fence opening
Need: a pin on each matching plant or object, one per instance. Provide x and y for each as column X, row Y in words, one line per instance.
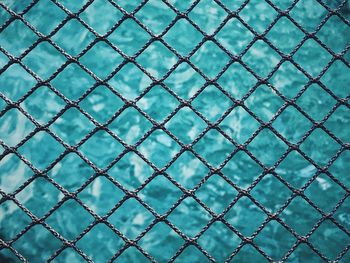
column 174, row 131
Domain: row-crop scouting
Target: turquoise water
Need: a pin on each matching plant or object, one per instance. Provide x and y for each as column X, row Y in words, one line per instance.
column 162, row 193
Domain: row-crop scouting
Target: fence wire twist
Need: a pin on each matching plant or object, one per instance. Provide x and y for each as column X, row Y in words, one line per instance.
column 128, row 194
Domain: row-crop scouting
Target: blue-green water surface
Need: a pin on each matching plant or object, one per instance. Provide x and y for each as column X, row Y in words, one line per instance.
column 130, row 102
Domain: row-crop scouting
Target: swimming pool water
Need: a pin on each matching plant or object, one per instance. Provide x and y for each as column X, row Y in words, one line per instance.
column 268, row 135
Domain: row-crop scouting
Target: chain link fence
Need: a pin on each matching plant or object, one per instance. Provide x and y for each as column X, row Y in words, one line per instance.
column 241, row 131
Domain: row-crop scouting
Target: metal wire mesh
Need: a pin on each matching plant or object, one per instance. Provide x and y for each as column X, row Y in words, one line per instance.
column 245, row 240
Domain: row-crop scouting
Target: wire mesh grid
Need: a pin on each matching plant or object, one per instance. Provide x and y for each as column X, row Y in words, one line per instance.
column 210, row 126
